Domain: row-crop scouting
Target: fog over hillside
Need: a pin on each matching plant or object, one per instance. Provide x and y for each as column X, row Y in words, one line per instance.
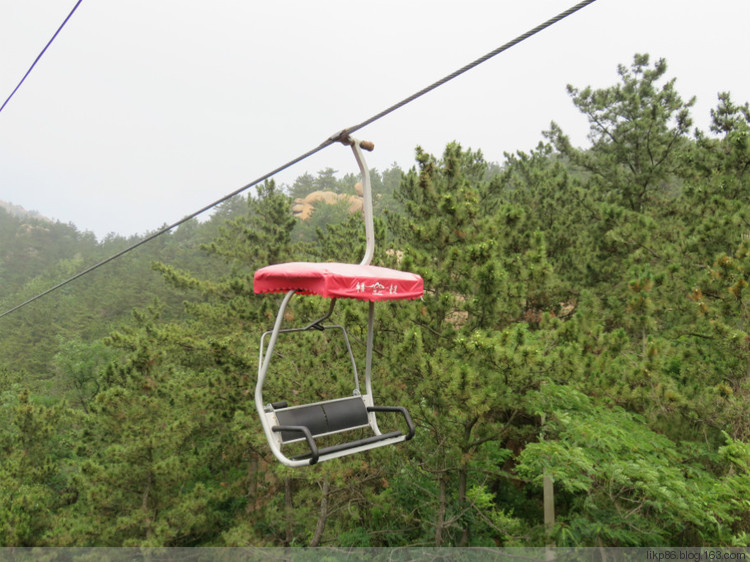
column 19, row 211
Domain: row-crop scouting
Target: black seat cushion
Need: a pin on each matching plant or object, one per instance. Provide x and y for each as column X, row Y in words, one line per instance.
column 323, row 417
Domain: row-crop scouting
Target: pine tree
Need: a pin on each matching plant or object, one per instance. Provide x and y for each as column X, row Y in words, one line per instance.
column 32, row 453
column 467, row 354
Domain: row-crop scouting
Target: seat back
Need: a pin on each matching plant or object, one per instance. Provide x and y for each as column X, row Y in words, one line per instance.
column 323, row 418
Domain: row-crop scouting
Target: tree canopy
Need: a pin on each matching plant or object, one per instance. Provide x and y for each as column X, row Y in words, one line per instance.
column 585, row 323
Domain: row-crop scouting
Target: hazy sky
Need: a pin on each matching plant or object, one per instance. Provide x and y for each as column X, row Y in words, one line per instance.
column 144, row 111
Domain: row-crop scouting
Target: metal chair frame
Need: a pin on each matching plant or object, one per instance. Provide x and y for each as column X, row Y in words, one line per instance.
column 360, row 415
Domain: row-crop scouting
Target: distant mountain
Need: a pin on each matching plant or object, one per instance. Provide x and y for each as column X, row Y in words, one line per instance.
column 18, row 211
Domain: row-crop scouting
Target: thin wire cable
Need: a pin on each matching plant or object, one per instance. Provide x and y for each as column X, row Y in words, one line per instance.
column 36, row 60
column 341, row 136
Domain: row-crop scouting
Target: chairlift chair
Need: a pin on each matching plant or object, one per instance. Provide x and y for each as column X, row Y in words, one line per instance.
column 283, row 423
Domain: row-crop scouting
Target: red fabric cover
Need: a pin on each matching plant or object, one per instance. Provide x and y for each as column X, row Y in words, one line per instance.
column 339, row 280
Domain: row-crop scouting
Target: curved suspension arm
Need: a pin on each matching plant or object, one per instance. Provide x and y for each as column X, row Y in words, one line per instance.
column 357, row 147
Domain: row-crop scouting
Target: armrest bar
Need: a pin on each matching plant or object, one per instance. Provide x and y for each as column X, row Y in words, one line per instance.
column 308, row 437
column 403, row 411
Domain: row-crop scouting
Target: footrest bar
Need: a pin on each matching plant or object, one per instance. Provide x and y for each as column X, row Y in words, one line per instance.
column 350, row 445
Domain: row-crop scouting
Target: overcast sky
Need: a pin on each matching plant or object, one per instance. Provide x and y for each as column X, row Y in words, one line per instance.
column 144, row 111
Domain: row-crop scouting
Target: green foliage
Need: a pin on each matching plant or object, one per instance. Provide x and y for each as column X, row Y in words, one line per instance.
column 78, row 367
column 624, row 483
column 31, row 452
column 636, row 128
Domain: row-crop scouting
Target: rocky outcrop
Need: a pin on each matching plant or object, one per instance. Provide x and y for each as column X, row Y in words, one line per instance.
column 303, row 207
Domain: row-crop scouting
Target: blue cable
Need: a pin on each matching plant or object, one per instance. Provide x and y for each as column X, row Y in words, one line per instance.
column 40, row 54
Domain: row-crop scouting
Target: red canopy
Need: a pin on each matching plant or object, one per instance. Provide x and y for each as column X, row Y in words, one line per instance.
column 339, row 280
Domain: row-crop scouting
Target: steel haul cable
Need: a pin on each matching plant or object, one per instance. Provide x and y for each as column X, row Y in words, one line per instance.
column 338, row 137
